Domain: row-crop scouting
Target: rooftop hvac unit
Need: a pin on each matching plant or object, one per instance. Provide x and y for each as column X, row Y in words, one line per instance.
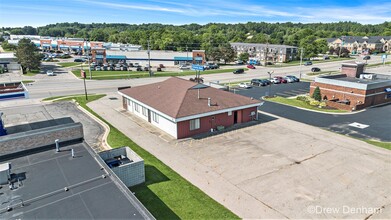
column 5, row 173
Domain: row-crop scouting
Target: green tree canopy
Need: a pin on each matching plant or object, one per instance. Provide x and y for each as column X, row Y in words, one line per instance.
column 27, row 55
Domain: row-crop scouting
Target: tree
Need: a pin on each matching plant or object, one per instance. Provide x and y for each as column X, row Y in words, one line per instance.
column 6, row 46
column 27, row 55
column 316, row 95
column 227, row 53
column 244, row 57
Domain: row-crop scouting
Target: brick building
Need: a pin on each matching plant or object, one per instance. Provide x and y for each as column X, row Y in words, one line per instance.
column 267, row 52
column 353, row 89
column 183, row 108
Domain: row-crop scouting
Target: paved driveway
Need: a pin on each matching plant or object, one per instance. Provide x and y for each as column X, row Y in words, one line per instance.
column 276, row 169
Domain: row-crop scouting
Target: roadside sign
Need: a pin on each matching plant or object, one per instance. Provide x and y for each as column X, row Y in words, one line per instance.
column 197, row 67
column 384, row 56
column 83, row 74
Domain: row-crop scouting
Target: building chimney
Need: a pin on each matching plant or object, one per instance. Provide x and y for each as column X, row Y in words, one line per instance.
column 209, row 102
column 198, row 93
column 353, row 69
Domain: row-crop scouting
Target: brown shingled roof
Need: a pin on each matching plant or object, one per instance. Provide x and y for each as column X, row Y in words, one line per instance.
column 178, row 98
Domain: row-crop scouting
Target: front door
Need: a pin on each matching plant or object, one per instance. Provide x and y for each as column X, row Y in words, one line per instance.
column 235, row 117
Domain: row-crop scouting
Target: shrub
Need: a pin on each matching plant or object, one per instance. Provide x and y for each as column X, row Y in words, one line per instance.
column 322, row 104
column 301, row 98
column 314, row 103
column 316, row 95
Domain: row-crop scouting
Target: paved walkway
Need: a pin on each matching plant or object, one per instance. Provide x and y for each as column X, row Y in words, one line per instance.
column 170, row 153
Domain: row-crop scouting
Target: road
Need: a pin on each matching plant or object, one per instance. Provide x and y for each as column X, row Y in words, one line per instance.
column 66, row 84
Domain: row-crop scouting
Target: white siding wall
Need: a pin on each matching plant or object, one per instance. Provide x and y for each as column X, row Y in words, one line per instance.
column 166, row 125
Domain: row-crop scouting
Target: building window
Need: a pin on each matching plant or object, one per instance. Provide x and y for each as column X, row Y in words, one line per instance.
column 194, row 124
column 145, row 111
column 136, row 107
column 155, row 117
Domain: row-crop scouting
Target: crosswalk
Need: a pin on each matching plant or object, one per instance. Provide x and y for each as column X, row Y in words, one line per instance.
column 291, row 93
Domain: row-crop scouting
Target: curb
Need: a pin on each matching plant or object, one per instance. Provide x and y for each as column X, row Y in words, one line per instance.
column 107, row 128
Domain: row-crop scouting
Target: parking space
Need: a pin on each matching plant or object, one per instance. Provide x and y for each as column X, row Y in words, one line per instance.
column 284, row 90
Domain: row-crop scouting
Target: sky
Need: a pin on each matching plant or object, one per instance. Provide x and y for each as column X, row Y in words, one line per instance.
column 19, row 13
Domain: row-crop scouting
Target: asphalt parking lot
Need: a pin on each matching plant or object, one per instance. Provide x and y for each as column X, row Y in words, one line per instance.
column 376, row 121
column 283, row 89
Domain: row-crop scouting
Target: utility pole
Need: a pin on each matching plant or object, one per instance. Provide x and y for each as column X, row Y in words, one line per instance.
column 270, row 80
column 301, row 61
column 88, row 58
column 187, row 54
column 149, row 58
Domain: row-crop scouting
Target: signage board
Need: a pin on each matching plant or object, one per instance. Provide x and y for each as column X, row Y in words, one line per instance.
column 197, row 67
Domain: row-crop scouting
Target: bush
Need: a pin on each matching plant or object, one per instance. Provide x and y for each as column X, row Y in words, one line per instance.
column 322, row 104
column 314, row 102
column 316, row 95
column 302, row 98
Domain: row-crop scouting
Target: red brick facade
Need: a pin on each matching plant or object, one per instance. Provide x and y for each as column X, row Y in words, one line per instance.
column 358, row 98
column 206, row 123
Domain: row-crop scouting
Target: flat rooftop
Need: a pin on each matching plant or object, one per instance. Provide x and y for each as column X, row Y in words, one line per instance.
column 352, row 82
column 40, row 180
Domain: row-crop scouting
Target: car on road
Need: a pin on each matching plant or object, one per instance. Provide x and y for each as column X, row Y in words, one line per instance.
column 294, row 78
column 238, row 71
column 366, row 58
column 50, row 73
column 315, row 69
column 250, row 66
column 184, row 67
column 78, row 60
column 282, row 80
column 308, row 63
column 259, row 82
column 245, row 85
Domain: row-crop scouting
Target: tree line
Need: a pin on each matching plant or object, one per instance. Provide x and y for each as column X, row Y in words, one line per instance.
column 210, row 36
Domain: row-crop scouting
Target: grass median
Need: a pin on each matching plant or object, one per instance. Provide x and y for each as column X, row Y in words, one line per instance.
column 69, row 64
column 302, row 104
column 165, row 193
column 107, row 75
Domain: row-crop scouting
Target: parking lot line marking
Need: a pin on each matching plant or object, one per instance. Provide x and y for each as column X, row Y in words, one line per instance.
column 290, row 93
column 282, row 94
column 358, row 125
column 299, row 91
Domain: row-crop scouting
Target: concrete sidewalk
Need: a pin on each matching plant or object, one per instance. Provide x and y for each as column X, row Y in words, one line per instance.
column 227, row 194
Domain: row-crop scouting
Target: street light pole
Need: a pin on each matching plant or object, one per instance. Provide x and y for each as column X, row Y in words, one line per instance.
column 270, row 80
column 149, row 58
column 88, row 58
column 301, row 61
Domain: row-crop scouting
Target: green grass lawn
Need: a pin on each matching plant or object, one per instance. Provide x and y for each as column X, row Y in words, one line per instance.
column 68, row 64
column 32, row 73
column 165, row 193
column 27, row 81
column 386, row 145
column 104, row 75
column 301, row 104
column 378, row 64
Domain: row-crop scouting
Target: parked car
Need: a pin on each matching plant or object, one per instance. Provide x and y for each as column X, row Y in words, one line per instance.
column 146, row 69
column 98, row 68
column 50, row 73
column 117, row 67
column 238, row 71
column 245, row 85
column 275, row 80
column 308, row 63
column 124, row 68
column 289, row 79
column 250, row 66
column 161, row 66
column 139, row 69
column 258, row 82
column 315, row 69
column 282, row 80
column 267, row 81
column 239, row 62
column 213, row 66
column 158, row 69
column 130, row 65
column 294, row 78
column 184, row 67
column 366, row 58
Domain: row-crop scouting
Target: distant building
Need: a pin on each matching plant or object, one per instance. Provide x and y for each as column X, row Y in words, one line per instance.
column 9, row 62
column 353, row 89
column 71, row 44
column 362, row 45
column 267, row 52
column 183, row 108
column 13, row 90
